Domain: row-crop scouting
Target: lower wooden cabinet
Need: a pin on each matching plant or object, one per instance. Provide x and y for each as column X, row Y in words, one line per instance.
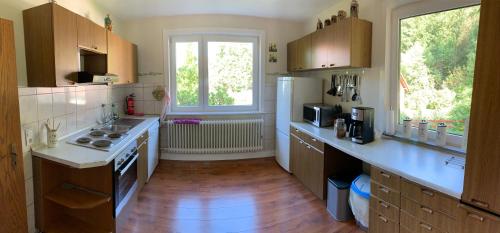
column 307, row 164
column 380, row 223
column 142, row 161
column 472, row 220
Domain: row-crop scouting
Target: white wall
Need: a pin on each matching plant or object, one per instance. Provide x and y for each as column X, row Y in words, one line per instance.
column 12, row 10
column 148, row 35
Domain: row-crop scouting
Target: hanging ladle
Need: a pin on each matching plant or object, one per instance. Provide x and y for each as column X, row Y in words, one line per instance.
column 333, row 86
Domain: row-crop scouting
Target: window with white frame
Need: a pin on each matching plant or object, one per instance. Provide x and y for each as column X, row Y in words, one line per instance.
column 214, row 72
column 435, row 64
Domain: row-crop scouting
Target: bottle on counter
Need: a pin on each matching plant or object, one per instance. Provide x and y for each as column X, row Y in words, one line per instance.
column 407, row 128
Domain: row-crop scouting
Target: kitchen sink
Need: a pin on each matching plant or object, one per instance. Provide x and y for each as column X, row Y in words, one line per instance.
column 116, row 128
column 121, row 126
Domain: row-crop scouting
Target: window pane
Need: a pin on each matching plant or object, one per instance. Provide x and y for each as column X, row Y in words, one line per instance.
column 187, row 75
column 230, row 73
column 438, row 52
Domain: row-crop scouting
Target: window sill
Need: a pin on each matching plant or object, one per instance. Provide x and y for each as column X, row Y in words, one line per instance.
column 429, row 144
column 214, row 113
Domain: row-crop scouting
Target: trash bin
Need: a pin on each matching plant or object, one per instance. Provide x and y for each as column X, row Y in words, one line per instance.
column 337, row 199
column 359, row 200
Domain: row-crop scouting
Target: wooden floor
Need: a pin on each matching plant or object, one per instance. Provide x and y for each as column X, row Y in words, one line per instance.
column 229, row 196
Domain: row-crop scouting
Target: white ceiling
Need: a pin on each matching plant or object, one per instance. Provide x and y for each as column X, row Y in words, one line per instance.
column 284, row 9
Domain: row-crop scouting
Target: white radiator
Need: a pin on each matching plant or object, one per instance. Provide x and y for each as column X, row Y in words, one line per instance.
column 213, row 136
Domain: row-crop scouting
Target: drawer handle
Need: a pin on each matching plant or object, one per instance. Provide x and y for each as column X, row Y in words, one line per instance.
column 475, row 216
column 332, row 64
column 480, row 203
column 301, row 142
column 382, row 218
column 383, row 189
column 425, row 209
column 427, row 192
column 308, row 147
column 425, row 226
column 383, row 204
column 323, row 65
column 296, row 130
column 314, row 139
column 385, row 175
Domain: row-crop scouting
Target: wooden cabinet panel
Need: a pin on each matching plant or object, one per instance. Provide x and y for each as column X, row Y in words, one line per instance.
column 428, row 215
column 385, row 208
column 379, row 223
column 315, row 161
column 411, row 224
column 429, row 197
column 12, row 202
column 385, row 178
column 341, row 44
column 384, row 193
column 472, row 220
column 142, row 161
column 91, row 36
column 122, row 59
column 320, row 48
column 292, row 56
column 304, row 53
column 482, row 176
column 295, row 148
column 50, row 37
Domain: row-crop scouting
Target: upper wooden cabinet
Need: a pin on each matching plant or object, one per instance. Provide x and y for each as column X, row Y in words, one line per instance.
column 50, row 37
column 292, row 50
column 91, row 36
column 122, row 59
column 304, row 53
column 482, row 173
column 346, row 43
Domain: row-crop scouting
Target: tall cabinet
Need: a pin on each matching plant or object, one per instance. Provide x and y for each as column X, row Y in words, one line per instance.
column 122, row 59
column 12, row 194
column 482, row 169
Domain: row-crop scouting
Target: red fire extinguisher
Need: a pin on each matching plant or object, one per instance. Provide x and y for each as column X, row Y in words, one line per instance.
column 129, row 102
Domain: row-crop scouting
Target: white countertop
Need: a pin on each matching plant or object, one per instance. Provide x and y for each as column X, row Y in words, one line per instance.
column 83, row 157
column 418, row 164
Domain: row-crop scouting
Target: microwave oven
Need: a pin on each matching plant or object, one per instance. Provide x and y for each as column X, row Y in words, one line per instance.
column 320, row 115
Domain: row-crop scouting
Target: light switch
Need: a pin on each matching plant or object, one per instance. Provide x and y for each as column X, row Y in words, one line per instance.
column 28, row 136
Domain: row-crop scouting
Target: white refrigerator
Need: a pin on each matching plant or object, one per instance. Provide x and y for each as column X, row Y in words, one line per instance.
column 292, row 94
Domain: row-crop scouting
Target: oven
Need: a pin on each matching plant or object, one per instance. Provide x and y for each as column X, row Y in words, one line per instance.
column 125, row 176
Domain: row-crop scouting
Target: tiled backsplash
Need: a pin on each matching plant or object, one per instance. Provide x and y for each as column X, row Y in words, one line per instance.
column 74, row 108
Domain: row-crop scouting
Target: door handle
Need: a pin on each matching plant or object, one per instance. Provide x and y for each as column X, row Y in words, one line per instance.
column 475, row 216
column 385, row 175
column 384, row 190
column 480, row 203
column 13, row 155
column 427, row 192
column 383, row 218
column 425, row 209
column 383, row 204
column 425, row 226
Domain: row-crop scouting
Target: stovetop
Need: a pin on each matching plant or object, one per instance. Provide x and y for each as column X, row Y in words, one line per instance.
column 97, row 139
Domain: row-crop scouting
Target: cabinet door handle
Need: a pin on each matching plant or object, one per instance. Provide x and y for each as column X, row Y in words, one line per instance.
column 480, row 203
column 383, row 219
column 425, row 226
column 296, row 130
column 476, row 217
column 314, row 139
column 308, row 147
column 385, row 175
column 301, row 142
column 332, row 64
column 425, row 209
column 383, row 189
column 383, row 204
column 323, row 65
column 427, row 192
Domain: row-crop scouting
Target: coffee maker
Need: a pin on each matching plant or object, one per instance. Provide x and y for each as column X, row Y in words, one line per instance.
column 362, row 129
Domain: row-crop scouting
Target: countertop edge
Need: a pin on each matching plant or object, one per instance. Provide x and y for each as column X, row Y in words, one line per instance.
column 148, row 122
column 404, row 175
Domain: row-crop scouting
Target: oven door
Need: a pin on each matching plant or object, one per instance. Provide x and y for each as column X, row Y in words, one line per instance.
column 125, row 178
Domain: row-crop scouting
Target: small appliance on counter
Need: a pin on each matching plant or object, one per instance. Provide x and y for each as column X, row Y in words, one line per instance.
column 362, row 127
column 321, row 115
column 86, row 77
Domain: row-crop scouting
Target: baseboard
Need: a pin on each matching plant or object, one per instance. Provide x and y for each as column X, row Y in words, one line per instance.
column 214, row 157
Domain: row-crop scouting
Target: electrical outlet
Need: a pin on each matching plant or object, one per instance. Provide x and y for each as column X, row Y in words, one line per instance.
column 28, row 136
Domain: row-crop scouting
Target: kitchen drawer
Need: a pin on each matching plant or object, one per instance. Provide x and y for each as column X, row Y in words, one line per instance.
column 381, row 224
column 385, row 193
column 473, row 220
column 430, row 198
column 385, row 208
column 428, row 215
column 385, row 178
column 316, row 143
column 413, row 225
column 142, row 138
column 297, row 133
